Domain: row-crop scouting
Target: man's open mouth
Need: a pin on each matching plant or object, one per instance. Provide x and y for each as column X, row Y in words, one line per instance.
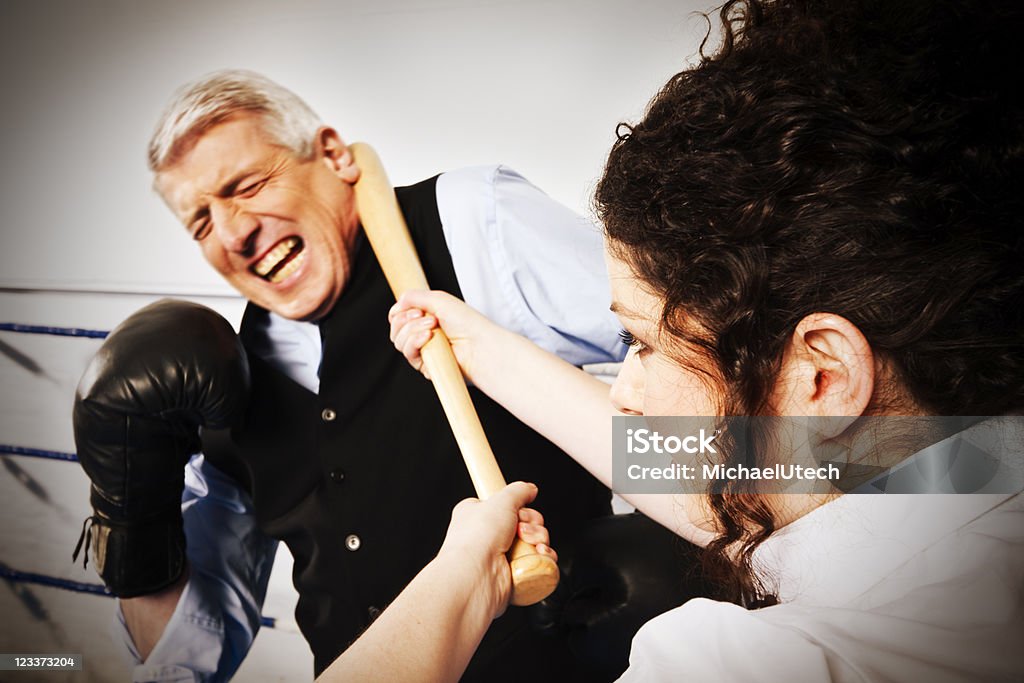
column 281, row 261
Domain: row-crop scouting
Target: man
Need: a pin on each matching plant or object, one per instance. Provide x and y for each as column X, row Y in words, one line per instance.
column 344, row 453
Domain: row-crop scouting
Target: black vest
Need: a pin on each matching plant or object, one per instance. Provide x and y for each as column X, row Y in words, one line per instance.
column 360, row 481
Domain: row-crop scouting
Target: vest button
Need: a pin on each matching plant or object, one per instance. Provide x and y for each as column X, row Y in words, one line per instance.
column 328, row 415
column 337, row 476
column 372, row 612
column 352, row 542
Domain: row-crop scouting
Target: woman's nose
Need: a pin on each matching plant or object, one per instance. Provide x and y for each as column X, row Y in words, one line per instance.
column 627, row 394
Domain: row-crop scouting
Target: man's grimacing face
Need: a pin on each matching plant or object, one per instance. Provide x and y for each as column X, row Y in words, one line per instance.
column 279, row 229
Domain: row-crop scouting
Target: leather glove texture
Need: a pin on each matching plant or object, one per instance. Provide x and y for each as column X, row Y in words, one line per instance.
column 168, row 370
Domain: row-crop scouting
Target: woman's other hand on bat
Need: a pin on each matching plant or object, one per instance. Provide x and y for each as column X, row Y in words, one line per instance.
column 481, row 533
column 418, row 313
column 430, row 631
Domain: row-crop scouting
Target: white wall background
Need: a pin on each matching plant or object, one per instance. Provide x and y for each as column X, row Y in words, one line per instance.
column 433, row 84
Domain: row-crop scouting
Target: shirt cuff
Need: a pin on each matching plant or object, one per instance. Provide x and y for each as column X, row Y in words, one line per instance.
column 188, row 650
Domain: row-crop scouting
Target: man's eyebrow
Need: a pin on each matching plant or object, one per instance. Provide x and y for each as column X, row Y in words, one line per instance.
column 226, row 189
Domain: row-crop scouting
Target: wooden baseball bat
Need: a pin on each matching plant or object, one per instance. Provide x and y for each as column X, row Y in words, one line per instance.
column 534, row 576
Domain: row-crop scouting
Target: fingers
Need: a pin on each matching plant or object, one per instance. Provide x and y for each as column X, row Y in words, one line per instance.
column 412, row 325
column 434, row 302
column 544, row 549
column 536, row 535
column 410, row 330
column 531, row 516
column 531, row 523
column 410, row 333
column 407, row 320
column 478, row 524
column 399, row 310
column 532, row 530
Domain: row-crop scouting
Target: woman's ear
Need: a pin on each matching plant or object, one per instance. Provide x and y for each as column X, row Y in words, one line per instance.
column 828, row 370
column 336, row 154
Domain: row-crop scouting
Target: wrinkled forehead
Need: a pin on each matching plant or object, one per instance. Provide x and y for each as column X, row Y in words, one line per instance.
column 213, row 159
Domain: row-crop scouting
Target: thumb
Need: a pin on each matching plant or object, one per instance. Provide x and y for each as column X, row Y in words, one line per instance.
column 516, row 495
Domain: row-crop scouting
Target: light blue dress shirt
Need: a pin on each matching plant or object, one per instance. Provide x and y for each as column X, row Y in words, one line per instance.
column 523, row 260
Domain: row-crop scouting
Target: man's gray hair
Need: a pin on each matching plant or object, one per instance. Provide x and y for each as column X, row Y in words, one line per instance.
column 201, row 105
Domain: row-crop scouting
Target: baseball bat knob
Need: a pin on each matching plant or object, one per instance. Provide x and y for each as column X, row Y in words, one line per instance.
column 534, row 578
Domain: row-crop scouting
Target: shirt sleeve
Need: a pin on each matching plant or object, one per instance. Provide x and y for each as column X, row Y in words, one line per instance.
column 218, row 613
column 528, row 263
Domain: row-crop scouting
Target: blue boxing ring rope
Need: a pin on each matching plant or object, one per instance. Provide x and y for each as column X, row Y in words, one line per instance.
column 57, row 331
column 6, row 449
column 14, row 575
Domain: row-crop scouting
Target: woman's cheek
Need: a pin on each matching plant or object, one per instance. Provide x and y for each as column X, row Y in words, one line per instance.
column 674, row 390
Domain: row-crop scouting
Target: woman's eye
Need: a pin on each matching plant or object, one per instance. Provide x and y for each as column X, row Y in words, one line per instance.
column 629, row 340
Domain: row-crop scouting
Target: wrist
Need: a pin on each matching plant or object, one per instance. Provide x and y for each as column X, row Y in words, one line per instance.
column 485, row 364
column 146, row 616
column 483, row 584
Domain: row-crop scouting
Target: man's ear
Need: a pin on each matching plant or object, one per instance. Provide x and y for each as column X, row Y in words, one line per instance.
column 828, row 369
column 335, row 153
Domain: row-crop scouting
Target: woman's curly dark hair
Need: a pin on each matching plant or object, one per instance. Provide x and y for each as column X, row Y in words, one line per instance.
column 862, row 158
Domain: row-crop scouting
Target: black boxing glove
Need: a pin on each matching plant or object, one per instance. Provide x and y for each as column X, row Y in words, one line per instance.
column 166, row 371
column 618, row 573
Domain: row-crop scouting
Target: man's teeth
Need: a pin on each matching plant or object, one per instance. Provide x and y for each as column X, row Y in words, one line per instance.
column 288, row 268
column 273, row 257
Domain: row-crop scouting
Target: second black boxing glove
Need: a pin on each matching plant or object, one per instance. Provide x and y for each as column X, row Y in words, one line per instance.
column 166, row 371
column 618, row 573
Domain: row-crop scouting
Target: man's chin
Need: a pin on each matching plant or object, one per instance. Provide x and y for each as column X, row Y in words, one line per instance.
column 303, row 311
column 304, row 314
column 299, row 302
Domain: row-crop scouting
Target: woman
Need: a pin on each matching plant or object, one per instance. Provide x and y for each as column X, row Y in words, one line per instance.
column 823, row 219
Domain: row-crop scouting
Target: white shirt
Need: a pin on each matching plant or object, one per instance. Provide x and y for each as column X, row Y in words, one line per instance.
column 926, row 587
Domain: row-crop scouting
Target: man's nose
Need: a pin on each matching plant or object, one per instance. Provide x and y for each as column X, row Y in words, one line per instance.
column 627, row 394
column 236, row 229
